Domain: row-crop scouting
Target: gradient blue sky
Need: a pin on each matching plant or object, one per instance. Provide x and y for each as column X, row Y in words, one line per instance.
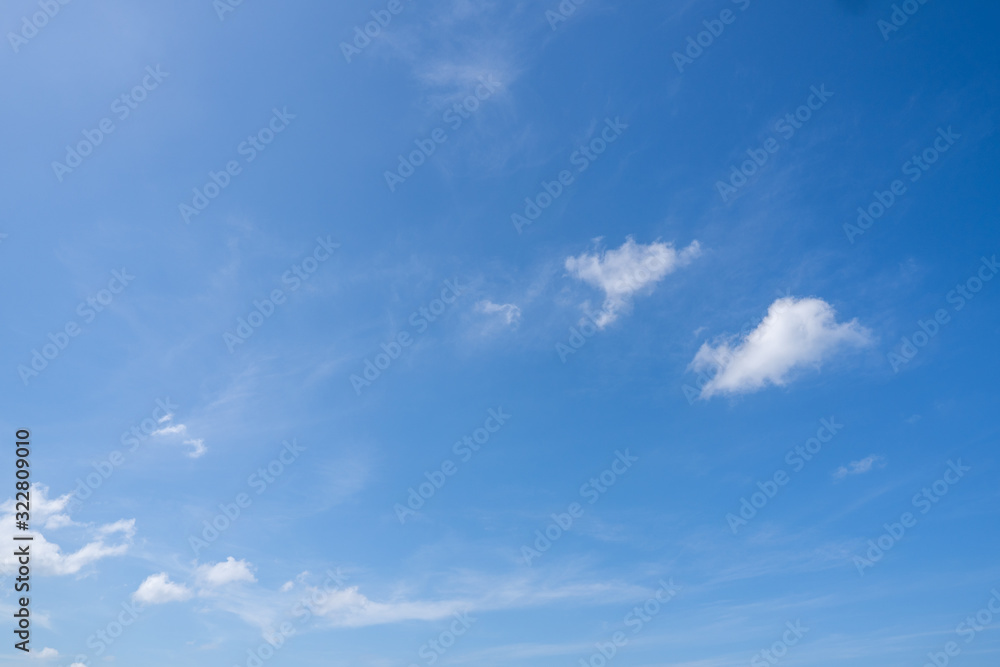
column 761, row 316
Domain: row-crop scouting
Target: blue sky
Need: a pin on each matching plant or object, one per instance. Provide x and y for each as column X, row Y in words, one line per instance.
column 514, row 334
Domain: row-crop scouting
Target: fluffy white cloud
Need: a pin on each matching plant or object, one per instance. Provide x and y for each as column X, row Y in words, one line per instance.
column 47, row 653
column 226, row 572
column 866, row 464
column 158, row 589
column 794, row 334
column 509, row 313
column 51, row 514
column 630, row 269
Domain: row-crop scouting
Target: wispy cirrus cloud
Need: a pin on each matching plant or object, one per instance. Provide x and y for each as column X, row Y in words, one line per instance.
column 231, row 587
column 867, row 464
column 508, row 314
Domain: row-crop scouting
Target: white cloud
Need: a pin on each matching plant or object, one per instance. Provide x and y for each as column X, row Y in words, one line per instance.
column 509, row 313
column 349, row 608
column 181, row 431
column 51, row 514
column 336, row 605
column 794, row 334
column 860, row 467
column 158, row 589
column 199, row 447
column 624, row 272
column 226, row 572
column 47, row 653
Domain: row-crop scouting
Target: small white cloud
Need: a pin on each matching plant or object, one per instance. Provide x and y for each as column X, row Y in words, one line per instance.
column 795, row 333
column 47, row 653
column 197, row 444
column 158, row 589
column 226, row 572
column 630, row 269
column 199, row 447
column 866, row 464
column 287, row 586
column 78, row 664
column 509, row 313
